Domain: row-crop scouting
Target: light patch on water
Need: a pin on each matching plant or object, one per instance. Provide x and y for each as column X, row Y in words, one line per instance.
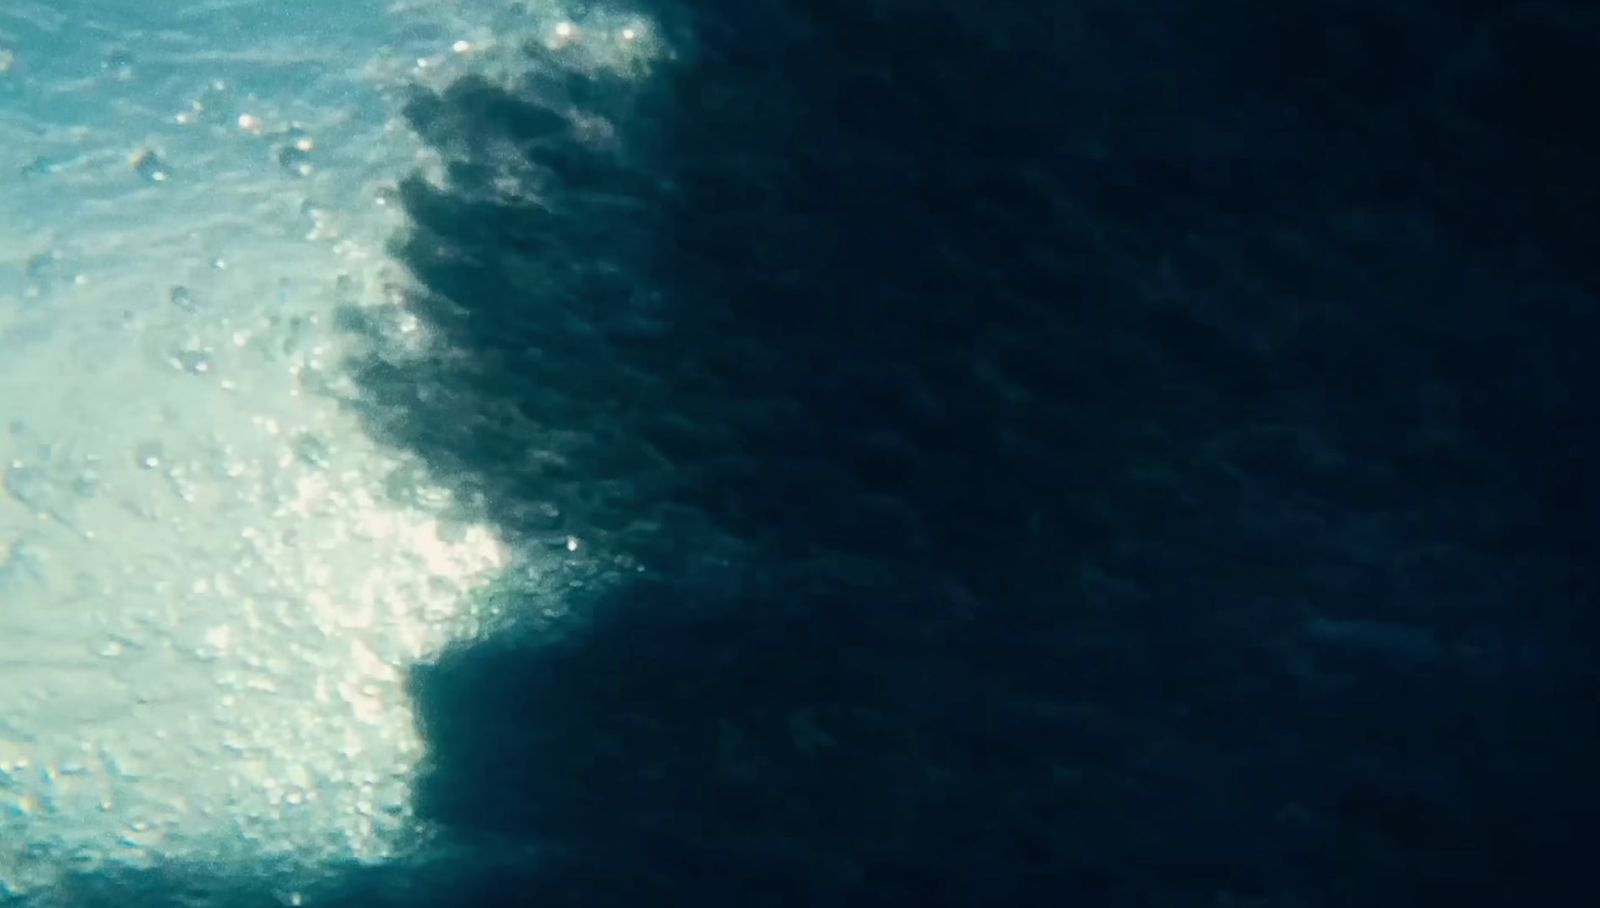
column 212, row 582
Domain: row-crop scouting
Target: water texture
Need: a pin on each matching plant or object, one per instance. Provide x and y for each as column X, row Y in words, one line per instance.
column 830, row 453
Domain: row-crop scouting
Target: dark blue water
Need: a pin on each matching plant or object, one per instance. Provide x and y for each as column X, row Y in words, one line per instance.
column 1042, row 453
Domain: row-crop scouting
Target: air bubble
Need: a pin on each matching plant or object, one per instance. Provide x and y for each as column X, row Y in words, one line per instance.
column 45, row 165
column 311, row 450
column 215, row 105
column 194, row 362
column 148, row 455
column 119, row 63
column 149, row 165
column 42, row 270
column 182, row 297
column 296, row 158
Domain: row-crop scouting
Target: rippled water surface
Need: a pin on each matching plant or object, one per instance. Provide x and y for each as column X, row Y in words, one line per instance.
column 798, row 452
column 211, row 580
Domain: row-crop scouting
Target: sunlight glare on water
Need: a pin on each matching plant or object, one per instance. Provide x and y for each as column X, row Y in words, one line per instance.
column 211, row 581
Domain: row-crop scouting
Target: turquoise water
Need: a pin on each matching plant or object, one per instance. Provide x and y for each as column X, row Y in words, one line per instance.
column 212, row 580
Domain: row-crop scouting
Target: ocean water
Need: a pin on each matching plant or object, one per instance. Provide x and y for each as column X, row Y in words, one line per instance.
column 213, row 580
column 800, row 452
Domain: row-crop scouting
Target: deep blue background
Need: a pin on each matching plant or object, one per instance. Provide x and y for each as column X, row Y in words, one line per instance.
column 1092, row 453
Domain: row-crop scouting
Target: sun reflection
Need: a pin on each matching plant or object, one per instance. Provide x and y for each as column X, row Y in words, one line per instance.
column 213, row 582
column 215, row 633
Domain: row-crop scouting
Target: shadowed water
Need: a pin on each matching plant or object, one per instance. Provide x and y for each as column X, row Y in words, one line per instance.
column 1042, row 456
